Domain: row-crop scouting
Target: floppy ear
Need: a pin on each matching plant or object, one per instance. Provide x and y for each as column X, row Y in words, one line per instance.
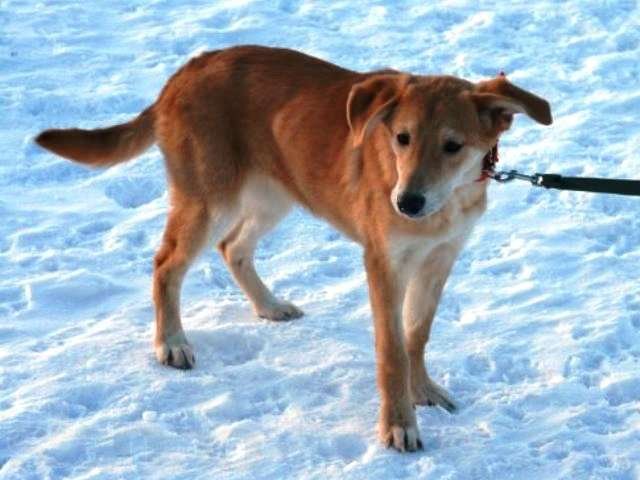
column 498, row 100
column 371, row 101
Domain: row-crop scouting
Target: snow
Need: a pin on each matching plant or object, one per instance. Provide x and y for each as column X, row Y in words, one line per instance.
column 537, row 336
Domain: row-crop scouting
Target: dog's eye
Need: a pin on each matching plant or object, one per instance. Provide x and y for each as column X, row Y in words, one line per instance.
column 452, row 147
column 403, row 139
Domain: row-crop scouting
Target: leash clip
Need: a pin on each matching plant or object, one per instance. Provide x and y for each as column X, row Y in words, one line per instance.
column 506, row 177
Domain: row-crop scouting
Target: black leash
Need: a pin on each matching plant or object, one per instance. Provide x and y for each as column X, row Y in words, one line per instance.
column 578, row 184
column 559, row 182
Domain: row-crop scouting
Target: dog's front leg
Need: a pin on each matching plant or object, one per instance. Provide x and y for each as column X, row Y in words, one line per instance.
column 397, row 422
column 420, row 304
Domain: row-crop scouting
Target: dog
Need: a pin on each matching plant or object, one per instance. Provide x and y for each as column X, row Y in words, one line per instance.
column 392, row 160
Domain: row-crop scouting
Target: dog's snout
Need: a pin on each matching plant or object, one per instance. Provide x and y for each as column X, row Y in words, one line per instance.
column 411, row 203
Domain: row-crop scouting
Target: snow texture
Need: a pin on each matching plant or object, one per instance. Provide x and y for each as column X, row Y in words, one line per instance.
column 537, row 336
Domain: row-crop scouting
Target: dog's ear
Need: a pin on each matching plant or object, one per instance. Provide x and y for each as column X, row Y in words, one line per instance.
column 498, row 99
column 371, row 101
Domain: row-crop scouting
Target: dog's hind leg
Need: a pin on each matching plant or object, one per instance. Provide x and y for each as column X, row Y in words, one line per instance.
column 264, row 204
column 419, row 308
column 187, row 231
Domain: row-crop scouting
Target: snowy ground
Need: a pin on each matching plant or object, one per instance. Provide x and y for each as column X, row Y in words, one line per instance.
column 538, row 334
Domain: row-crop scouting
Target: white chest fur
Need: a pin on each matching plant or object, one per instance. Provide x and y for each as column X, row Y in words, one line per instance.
column 451, row 224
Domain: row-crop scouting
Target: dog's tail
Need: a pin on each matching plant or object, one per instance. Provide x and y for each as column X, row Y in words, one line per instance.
column 102, row 147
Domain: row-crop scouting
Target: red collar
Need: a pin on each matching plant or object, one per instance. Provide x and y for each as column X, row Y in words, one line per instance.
column 489, row 163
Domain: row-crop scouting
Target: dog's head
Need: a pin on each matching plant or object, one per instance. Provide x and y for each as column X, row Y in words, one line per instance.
column 437, row 129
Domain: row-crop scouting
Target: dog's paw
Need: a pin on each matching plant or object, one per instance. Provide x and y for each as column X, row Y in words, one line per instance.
column 403, row 439
column 398, row 429
column 176, row 352
column 278, row 311
column 425, row 391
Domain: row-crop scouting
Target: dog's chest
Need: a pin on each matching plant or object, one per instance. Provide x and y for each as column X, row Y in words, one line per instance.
column 452, row 224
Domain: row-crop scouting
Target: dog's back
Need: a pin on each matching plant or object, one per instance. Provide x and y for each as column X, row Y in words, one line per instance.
column 226, row 112
column 250, row 108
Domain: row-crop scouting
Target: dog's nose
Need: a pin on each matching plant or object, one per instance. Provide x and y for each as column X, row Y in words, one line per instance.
column 411, row 204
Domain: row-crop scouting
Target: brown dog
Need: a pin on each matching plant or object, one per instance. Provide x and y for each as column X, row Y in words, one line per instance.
column 390, row 159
